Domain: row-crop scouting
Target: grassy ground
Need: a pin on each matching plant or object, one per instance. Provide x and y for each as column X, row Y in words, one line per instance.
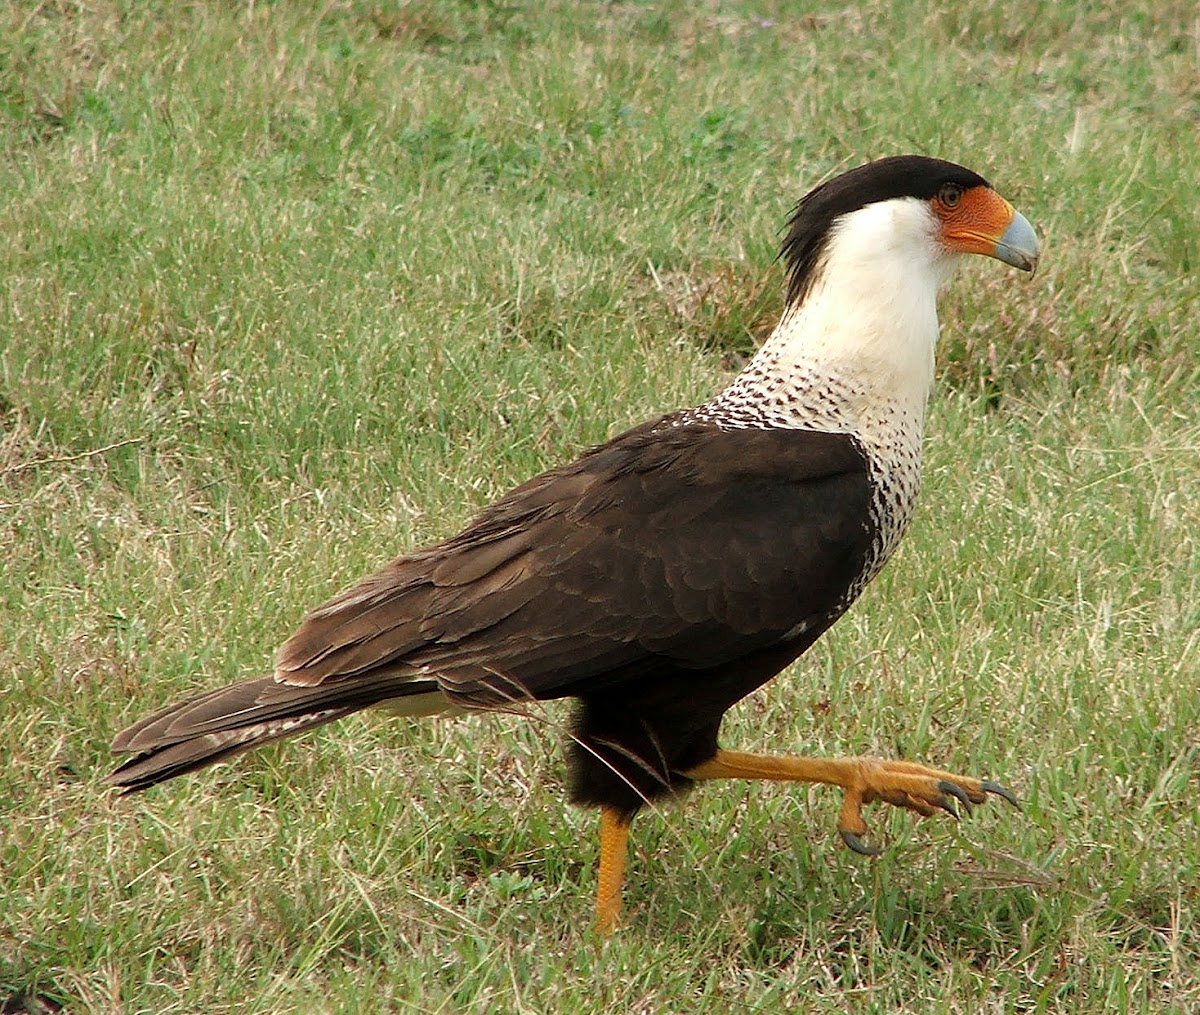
column 286, row 289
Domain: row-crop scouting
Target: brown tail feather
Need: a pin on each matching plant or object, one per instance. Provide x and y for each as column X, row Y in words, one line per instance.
column 214, row 726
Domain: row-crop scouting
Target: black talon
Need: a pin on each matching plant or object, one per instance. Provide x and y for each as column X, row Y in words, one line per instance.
column 948, row 807
column 856, row 844
column 957, row 792
column 1000, row 791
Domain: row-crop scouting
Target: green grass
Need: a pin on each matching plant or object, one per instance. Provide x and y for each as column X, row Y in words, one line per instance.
column 286, row 289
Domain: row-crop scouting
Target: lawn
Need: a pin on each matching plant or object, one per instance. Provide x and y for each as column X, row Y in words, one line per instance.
column 289, row 288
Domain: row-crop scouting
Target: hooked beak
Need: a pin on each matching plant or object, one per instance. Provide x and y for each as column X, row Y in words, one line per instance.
column 1018, row 244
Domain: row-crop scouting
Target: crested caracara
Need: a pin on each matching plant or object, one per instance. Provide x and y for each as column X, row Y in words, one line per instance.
column 666, row 574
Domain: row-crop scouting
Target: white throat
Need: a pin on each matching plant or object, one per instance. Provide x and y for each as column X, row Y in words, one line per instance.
column 870, row 318
column 867, row 328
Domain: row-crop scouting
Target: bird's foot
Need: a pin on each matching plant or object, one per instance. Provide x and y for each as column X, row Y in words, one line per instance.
column 908, row 785
column 864, row 780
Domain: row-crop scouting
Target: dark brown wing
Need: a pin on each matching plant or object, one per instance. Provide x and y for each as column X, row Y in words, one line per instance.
column 672, row 546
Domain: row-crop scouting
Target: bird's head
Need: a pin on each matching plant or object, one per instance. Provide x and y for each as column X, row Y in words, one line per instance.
column 915, row 209
column 866, row 253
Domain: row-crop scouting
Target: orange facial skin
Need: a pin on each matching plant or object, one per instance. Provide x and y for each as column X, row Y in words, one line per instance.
column 973, row 220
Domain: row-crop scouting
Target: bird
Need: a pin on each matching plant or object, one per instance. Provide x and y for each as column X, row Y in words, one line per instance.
column 666, row 574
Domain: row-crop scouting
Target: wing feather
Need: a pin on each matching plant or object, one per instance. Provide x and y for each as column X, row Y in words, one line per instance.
column 671, row 546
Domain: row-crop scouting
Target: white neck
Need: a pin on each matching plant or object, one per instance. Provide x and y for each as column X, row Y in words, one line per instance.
column 867, row 326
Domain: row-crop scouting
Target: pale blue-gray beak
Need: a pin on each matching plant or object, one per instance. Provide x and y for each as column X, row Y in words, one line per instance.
column 1018, row 245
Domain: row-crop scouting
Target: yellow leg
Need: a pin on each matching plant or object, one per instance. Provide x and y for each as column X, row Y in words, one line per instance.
column 900, row 783
column 614, row 840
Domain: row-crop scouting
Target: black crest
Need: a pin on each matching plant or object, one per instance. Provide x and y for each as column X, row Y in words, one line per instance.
column 899, row 176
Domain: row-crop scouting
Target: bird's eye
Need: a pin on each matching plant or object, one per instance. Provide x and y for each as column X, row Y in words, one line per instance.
column 950, row 195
